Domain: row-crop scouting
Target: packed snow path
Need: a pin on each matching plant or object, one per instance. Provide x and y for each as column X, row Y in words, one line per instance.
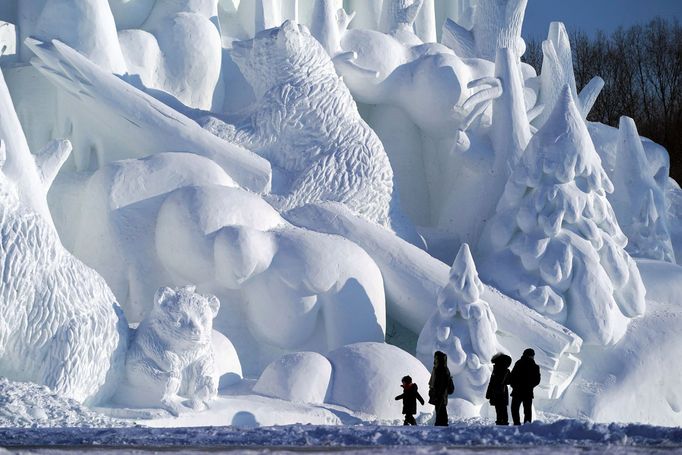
column 563, row 436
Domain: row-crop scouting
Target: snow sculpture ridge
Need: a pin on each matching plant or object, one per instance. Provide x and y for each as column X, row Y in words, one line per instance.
column 60, row 324
column 306, row 123
column 557, row 72
column 555, row 225
column 463, row 326
column 171, row 353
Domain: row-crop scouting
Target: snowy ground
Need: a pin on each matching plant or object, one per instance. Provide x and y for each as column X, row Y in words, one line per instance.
column 564, row 436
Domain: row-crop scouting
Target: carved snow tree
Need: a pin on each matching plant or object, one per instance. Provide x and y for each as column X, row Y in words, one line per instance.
column 554, row 242
column 463, row 327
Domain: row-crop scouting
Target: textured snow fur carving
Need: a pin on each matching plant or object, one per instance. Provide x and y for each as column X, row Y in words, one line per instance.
column 171, row 353
column 306, row 123
column 554, row 242
column 60, row 324
column 462, row 326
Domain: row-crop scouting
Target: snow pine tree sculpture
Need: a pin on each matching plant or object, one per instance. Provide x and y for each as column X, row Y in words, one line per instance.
column 554, row 242
column 463, row 327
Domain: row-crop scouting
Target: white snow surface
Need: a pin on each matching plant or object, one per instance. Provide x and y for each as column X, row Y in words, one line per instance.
column 356, row 157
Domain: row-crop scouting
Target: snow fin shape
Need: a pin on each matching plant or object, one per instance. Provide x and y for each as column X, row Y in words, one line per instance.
column 458, row 39
column 51, row 158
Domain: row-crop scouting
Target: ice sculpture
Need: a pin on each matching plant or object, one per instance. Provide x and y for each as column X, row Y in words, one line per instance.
column 306, row 124
column 555, row 226
column 171, row 354
column 462, row 326
column 60, row 324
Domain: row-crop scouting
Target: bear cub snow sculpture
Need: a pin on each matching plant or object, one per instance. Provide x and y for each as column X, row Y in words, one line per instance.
column 171, row 353
column 305, row 122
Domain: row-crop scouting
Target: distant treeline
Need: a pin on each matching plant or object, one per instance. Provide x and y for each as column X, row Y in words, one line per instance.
column 642, row 68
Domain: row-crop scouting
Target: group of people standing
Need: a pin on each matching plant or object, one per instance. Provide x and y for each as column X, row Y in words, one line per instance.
column 523, row 378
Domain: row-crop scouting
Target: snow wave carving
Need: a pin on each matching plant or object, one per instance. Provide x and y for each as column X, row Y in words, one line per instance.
column 555, row 226
column 306, row 123
column 171, row 353
column 60, row 324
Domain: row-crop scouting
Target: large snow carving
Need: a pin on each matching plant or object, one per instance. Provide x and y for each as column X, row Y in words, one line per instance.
column 306, row 124
column 462, row 326
column 171, row 354
column 60, row 324
column 326, row 291
column 554, row 242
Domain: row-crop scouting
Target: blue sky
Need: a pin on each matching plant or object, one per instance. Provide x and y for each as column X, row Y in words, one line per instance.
column 593, row 15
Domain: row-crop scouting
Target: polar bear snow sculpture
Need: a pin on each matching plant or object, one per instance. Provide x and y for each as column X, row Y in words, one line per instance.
column 171, row 352
column 60, row 324
column 306, row 124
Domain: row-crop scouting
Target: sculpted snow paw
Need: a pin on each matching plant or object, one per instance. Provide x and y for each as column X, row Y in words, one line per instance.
column 171, row 355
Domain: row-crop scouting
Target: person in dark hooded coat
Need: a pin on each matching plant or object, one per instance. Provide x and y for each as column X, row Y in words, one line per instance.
column 524, row 378
column 498, row 391
column 409, row 396
column 440, row 386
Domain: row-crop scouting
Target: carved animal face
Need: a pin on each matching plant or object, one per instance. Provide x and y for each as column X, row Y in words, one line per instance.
column 184, row 316
column 273, row 56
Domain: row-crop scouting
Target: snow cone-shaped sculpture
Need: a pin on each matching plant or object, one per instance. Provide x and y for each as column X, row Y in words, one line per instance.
column 554, row 242
column 638, row 201
column 60, row 324
column 463, row 327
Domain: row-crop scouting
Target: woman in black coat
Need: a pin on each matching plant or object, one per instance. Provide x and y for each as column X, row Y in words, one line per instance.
column 440, row 386
column 498, row 390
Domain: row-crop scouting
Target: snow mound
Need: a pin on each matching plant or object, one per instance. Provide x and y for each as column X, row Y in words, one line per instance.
column 366, row 378
column 25, row 404
column 300, row 377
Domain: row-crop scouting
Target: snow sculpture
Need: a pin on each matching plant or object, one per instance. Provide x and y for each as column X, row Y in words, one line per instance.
column 366, row 378
column 463, row 327
column 641, row 205
column 414, row 280
column 397, row 19
column 178, row 49
column 554, row 242
column 130, row 123
column 171, row 354
column 496, row 25
column 302, row 377
column 306, row 124
column 85, row 25
column 557, row 72
column 339, row 301
column 110, row 223
column 59, row 323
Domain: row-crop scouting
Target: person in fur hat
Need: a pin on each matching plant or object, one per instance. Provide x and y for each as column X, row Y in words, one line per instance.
column 409, row 396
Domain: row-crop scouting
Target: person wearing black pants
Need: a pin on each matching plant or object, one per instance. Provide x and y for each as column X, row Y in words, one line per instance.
column 525, row 376
column 440, row 386
column 498, row 392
